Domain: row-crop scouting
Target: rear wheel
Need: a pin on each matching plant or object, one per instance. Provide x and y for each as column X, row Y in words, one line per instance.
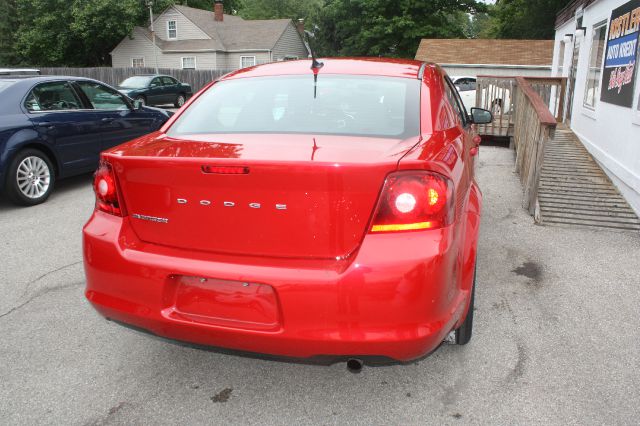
column 30, row 178
column 463, row 333
column 180, row 100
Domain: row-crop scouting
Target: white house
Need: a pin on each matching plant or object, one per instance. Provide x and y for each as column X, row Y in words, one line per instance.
column 596, row 48
column 191, row 38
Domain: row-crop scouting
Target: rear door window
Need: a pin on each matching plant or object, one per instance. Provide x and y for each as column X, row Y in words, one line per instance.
column 168, row 81
column 102, row 97
column 53, row 96
column 454, row 99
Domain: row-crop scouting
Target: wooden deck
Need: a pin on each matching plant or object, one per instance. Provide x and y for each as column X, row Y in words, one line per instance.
column 574, row 190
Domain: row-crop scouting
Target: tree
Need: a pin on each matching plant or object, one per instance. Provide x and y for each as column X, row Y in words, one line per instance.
column 280, row 9
column 480, row 25
column 388, row 28
column 231, row 7
column 7, row 31
column 82, row 32
column 74, row 32
column 526, row 19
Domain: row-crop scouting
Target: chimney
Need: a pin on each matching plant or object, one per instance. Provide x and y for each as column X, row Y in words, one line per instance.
column 218, row 10
column 300, row 26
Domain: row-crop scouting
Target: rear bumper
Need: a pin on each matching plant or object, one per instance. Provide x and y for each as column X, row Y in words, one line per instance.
column 398, row 298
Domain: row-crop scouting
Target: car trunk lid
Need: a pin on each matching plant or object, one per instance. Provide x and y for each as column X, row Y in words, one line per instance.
column 301, row 197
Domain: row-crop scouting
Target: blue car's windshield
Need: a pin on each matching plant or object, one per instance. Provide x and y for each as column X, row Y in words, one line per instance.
column 351, row 105
column 137, row 82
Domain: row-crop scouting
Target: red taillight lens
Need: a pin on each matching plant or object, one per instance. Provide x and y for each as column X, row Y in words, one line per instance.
column 104, row 185
column 414, row 200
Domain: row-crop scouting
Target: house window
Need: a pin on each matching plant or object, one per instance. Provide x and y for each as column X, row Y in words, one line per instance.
column 561, row 58
column 592, row 90
column 172, row 30
column 189, row 63
column 247, row 61
column 137, row 62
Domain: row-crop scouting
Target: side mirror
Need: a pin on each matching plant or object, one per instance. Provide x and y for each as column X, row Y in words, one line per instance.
column 152, row 85
column 137, row 104
column 481, row 116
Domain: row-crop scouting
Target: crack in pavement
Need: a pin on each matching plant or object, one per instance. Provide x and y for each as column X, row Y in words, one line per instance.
column 26, row 288
column 40, row 294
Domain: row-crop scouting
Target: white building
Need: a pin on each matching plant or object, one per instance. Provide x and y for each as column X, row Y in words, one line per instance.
column 474, row 57
column 596, row 48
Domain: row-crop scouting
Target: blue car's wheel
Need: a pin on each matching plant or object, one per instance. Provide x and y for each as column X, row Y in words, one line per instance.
column 30, row 178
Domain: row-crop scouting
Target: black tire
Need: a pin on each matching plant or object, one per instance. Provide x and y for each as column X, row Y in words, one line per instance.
column 141, row 99
column 464, row 332
column 180, row 100
column 15, row 181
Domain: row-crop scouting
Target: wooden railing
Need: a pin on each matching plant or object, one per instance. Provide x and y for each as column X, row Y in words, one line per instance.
column 552, row 92
column 532, row 108
column 497, row 94
column 533, row 126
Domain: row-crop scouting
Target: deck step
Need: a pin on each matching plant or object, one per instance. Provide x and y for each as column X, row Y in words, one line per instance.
column 575, row 191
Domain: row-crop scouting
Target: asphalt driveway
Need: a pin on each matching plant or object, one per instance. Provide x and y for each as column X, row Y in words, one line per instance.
column 556, row 338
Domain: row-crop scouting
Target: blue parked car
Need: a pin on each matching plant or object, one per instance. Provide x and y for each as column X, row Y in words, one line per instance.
column 156, row 90
column 55, row 127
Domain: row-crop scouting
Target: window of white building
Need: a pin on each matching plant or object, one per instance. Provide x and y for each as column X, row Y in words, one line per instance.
column 247, row 61
column 561, row 58
column 592, row 89
column 172, row 30
column 636, row 111
column 137, row 62
column 189, row 63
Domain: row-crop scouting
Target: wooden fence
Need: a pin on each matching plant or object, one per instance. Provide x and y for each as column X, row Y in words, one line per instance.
column 114, row 76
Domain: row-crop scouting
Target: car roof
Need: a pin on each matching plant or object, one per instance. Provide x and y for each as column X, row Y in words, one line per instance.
column 387, row 67
column 44, row 78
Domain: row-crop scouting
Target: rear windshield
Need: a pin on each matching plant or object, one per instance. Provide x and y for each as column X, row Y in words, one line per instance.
column 136, row 82
column 337, row 105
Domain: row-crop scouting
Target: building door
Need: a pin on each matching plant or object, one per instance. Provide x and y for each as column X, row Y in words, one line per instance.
column 572, row 80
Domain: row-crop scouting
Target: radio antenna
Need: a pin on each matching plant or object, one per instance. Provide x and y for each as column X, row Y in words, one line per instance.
column 316, row 65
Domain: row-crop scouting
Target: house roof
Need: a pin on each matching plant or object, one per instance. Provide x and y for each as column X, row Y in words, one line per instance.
column 567, row 13
column 233, row 33
column 486, row 51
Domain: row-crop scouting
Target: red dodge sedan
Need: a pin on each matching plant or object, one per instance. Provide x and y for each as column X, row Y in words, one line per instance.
column 296, row 211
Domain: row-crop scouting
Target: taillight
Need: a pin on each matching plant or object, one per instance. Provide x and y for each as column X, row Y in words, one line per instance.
column 104, row 185
column 414, row 200
column 226, row 170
